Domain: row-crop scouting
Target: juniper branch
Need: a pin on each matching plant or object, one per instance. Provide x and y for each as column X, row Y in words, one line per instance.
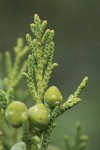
column 42, row 48
column 58, row 110
column 8, row 62
column 30, row 79
column 14, row 72
column 26, row 135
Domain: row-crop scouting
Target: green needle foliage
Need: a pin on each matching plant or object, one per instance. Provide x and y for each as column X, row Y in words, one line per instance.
column 71, row 102
column 80, row 142
column 9, row 86
column 40, row 66
column 16, row 68
column 33, row 125
column 40, row 63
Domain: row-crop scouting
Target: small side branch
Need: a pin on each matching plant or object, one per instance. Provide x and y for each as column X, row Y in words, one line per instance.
column 58, row 110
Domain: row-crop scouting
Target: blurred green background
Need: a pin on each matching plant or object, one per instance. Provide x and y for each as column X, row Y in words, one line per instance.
column 77, row 50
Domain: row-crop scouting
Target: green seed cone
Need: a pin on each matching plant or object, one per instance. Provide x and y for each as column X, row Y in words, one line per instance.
column 16, row 113
column 53, row 97
column 39, row 116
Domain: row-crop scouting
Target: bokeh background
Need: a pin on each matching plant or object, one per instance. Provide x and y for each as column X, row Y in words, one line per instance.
column 77, row 50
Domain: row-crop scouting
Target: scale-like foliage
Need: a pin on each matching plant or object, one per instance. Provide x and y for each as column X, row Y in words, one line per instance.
column 36, row 123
